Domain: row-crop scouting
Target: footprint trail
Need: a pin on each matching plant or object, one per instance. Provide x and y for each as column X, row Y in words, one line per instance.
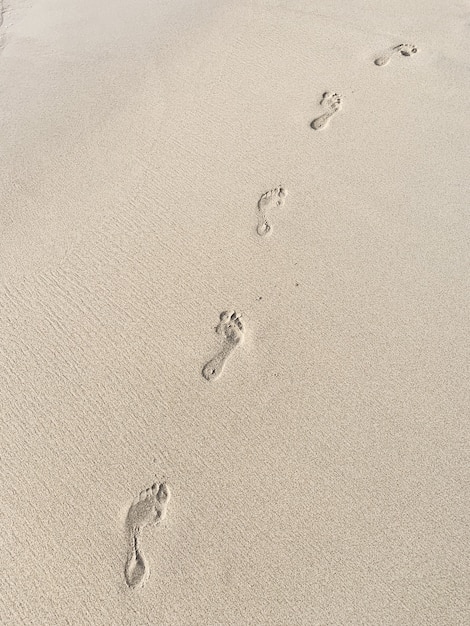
column 406, row 49
column 231, row 329
column 333, row 103
column 269, row 200
column 148, row 509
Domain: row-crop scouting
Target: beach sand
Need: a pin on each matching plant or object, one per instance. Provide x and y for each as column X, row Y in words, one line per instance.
column 318, row 471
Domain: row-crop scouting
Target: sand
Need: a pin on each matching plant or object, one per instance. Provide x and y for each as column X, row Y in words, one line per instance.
column 318, row 471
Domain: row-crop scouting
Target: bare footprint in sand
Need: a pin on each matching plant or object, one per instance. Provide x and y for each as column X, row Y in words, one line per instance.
column 333, row 103
column 406, row 49
column 148, row 509
column 231, row 329
column 274, row 198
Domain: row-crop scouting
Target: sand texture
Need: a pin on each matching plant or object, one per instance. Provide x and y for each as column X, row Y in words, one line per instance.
column 234, row 269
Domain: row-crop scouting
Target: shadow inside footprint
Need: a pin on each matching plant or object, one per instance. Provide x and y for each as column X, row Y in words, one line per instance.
column 137, row 569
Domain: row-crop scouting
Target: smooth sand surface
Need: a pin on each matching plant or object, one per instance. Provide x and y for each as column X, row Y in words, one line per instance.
column 321, row 476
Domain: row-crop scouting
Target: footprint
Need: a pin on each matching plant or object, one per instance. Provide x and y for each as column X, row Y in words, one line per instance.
column 333, row 103
column 148, row 509
column 231, row 329
column 268, row 201
column 406, row 49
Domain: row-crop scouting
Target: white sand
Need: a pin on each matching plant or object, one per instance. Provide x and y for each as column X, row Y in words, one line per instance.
column 322, row 478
